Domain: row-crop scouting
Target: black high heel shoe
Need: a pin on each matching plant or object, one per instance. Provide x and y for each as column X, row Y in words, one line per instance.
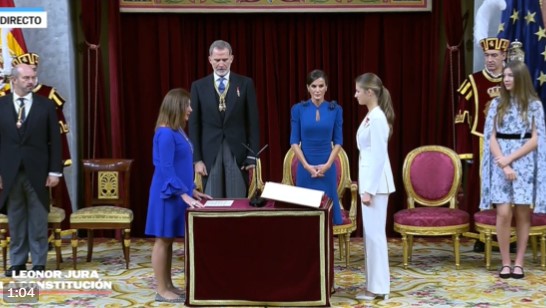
column 517, row 276
column 505, row 275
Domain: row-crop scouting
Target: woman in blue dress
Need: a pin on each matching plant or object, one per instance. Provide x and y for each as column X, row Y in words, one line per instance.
column 514, row 162
column 316, row 139
column 172, row 189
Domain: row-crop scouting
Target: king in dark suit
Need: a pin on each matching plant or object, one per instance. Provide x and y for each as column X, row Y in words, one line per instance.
column 30, row 163
column 223, row 121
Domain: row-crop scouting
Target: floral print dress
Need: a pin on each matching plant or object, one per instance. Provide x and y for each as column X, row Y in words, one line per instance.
column 529, row 187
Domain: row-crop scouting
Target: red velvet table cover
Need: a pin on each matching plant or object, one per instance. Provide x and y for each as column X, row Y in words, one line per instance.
column 277, row 255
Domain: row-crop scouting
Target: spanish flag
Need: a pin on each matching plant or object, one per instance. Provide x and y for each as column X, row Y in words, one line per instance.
column 14, row 40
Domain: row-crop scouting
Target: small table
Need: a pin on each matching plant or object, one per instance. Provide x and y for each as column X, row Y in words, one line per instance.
column 277, row 255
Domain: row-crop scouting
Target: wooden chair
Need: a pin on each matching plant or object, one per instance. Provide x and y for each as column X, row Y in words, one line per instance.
column 344, row 183
column 432, row 176
column 106, row 203
column 198, row 180
column 54, row 219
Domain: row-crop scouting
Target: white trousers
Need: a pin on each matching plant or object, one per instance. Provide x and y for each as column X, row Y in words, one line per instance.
column 374, row 217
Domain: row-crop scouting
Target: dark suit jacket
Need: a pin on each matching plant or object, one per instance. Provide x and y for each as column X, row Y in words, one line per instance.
column 239, row 125
column 37, row 149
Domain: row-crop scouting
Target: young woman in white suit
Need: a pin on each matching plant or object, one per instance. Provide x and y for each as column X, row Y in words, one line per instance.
column 375, row 181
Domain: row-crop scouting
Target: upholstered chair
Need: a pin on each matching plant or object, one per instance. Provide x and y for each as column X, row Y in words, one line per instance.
column 431, row 176
column 106, row 203
column 485, row 226
column 344, row 183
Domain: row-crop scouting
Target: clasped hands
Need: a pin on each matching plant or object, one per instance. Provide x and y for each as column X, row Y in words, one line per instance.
column 504, row 162
column 318, row 170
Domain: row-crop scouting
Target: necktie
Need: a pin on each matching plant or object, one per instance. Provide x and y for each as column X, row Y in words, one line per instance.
column 22, row 109
column 221, row 85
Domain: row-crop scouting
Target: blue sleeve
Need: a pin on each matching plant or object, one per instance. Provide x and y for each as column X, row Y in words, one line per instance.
column 338, row 127
column 172, row 186
column 295, row 132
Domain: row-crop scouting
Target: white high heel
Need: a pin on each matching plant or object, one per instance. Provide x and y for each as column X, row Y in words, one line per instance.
column 369, row 296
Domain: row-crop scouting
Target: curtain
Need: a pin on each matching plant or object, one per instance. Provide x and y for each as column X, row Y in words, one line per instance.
column 114, row 54
column 163, row 51
column 96, row 141
column 454, row 62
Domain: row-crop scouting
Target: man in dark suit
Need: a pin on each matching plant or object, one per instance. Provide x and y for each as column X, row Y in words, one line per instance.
column 223, row 121
column 60, row 193
column 30, row 163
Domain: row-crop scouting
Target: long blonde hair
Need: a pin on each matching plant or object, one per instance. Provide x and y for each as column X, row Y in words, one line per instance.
column 373, row 82
column 173, row 108
column 522, row 91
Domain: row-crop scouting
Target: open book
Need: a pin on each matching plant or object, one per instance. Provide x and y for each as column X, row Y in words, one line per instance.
column 293, row 194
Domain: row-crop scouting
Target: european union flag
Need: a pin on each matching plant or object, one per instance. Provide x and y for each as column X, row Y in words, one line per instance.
column 522, row 20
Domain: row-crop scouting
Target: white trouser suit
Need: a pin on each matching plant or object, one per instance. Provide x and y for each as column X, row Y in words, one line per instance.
column 375, row 178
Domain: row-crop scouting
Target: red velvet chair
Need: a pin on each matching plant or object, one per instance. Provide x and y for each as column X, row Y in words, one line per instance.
column 485, row 225
column 432, row 176
column 344, row 183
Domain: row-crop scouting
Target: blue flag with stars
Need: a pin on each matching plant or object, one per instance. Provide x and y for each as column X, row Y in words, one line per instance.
column 522, row 20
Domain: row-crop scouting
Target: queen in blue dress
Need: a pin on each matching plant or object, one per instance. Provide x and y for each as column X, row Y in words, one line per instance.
column 316, row 139
column 172, row 189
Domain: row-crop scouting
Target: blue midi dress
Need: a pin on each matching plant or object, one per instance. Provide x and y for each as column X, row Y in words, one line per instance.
column 316, row 138
column 173, row 176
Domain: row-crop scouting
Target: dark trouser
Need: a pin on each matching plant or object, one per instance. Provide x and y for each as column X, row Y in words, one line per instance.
column 225, row 178
column 27, row 219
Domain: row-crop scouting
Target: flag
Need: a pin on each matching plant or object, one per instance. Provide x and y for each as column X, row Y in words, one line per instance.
column 14, row 40
column 522, row 20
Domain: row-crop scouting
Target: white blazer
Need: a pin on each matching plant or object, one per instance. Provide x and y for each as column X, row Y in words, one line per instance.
column 374, row 167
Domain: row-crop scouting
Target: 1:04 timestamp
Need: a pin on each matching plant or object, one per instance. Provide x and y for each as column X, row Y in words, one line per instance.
column 20, row 293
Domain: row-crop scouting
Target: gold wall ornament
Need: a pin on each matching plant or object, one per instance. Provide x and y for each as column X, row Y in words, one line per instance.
column 515, row 52
column 108, row 185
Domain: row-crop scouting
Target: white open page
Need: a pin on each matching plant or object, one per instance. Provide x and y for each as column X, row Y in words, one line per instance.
column 213, row 203
column 292, row 194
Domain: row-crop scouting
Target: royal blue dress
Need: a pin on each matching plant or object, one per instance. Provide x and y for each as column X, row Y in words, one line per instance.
column 316, row 139
column 173, row 176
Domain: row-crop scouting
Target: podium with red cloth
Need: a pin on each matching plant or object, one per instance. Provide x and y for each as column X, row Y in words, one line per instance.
column 277, row 255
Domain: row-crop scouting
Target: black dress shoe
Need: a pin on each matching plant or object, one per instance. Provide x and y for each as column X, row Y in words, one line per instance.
column 479, row 246
column 505, row 275
column 38, row 268
column 518, row 276
column 15, row 269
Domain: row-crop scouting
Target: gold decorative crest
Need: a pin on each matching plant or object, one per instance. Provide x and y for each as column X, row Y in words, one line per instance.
column 108, row 185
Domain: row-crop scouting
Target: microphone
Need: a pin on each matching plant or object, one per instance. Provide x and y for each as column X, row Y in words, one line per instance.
column 256, row 200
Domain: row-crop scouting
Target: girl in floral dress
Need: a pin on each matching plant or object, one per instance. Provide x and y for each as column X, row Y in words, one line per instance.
column 514, row 162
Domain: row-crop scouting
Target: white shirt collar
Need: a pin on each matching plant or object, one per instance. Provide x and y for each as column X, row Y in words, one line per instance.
column 28, row 98
column 28, row 101
column 216, row 77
